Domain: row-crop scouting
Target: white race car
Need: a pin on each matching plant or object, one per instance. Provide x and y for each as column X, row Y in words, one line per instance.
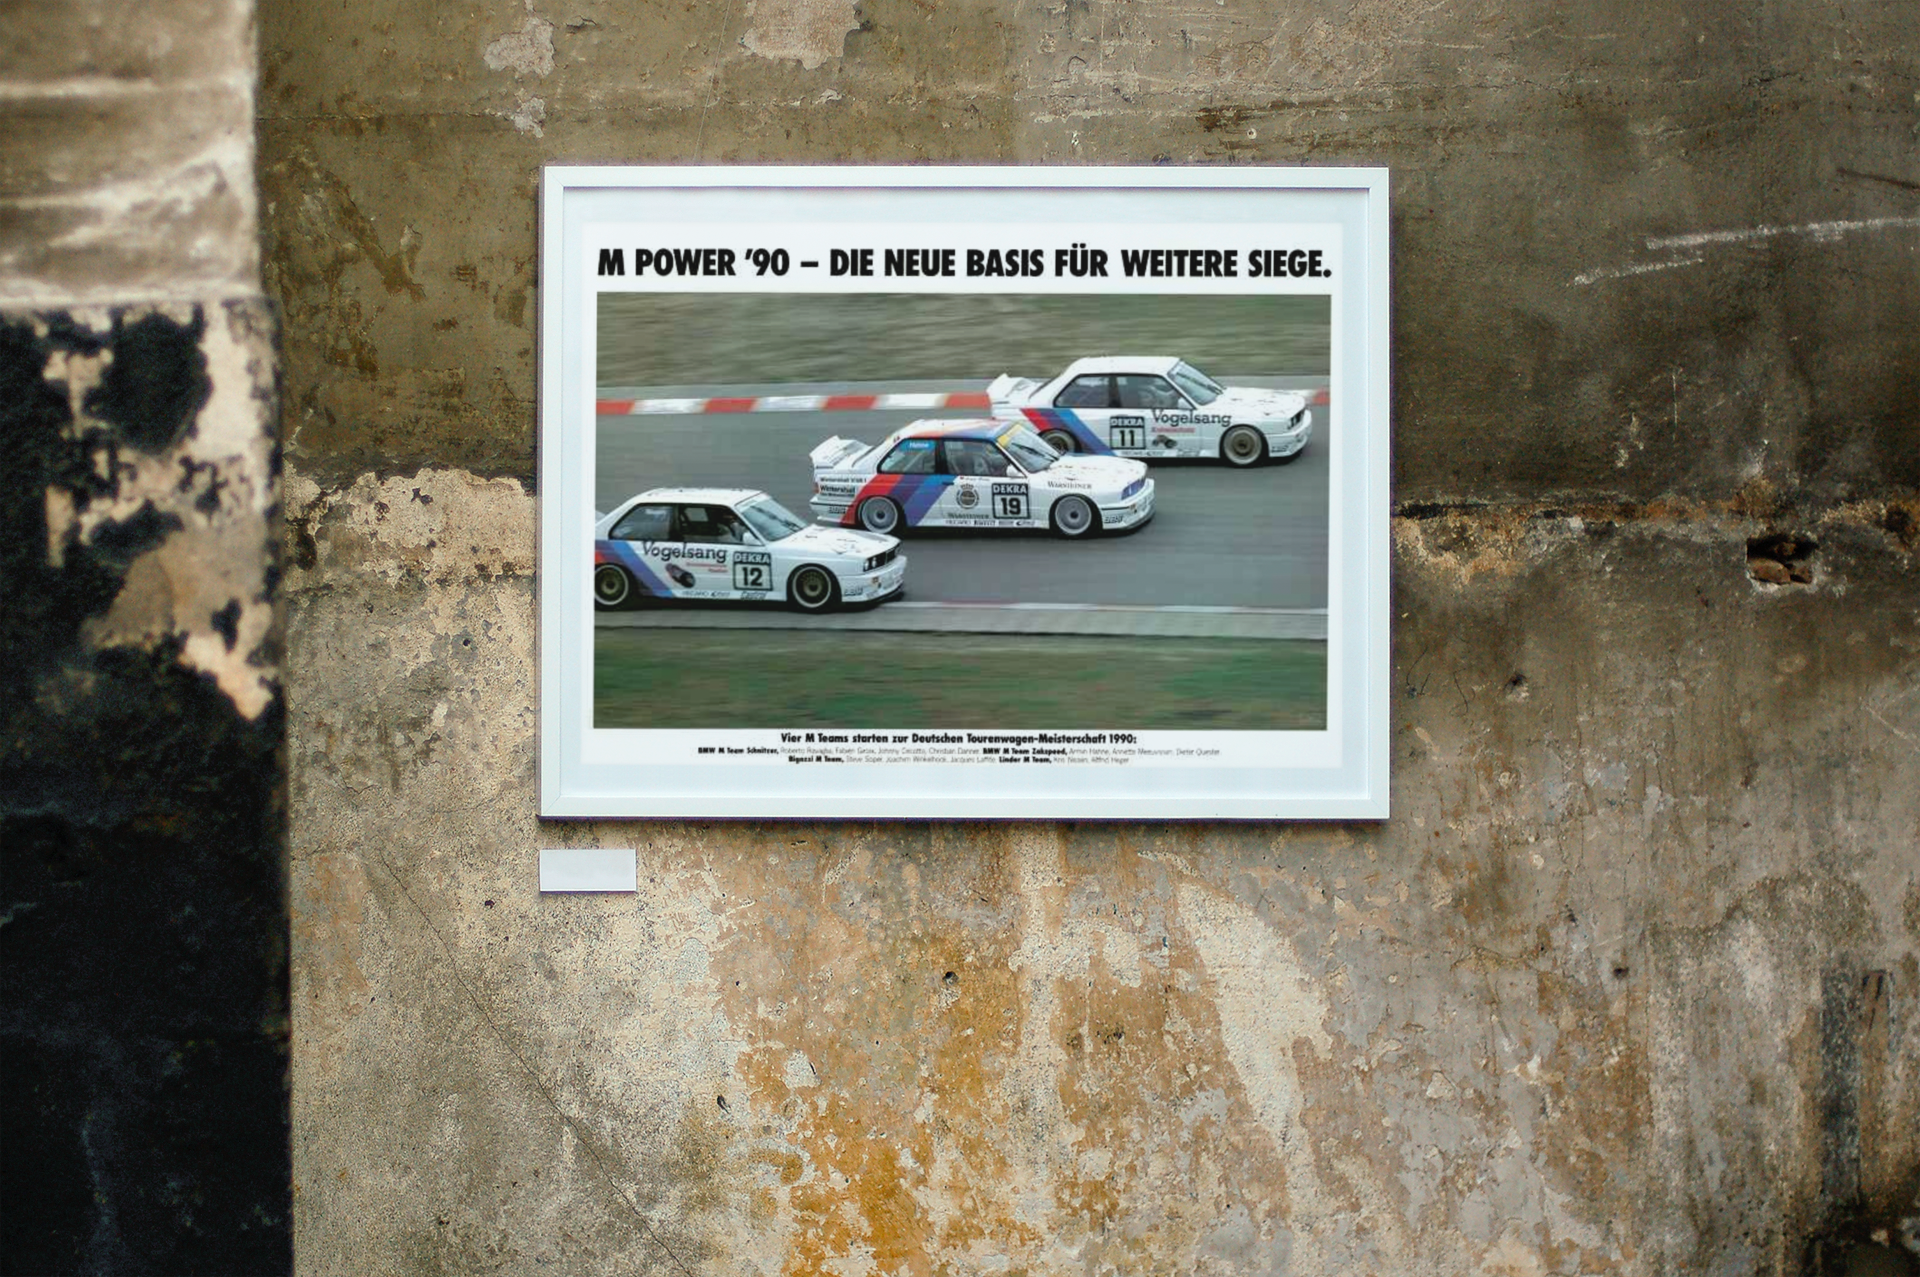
column 975, row 474
column 1156, row 407
column 735, row 543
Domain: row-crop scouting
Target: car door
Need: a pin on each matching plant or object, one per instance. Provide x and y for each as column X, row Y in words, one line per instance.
column 910, row 477
column 1083, row 405
column 1156, row 419
column 646, row 532
column 707, row 536
column 988, row 490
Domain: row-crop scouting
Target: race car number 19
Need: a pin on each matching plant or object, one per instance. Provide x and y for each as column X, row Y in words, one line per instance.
column 1009, row 500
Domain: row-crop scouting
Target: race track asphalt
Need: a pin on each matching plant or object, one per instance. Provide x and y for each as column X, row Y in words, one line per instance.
column 1220, row 537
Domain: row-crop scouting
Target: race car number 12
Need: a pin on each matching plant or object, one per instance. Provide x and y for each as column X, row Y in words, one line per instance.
column 755, row 573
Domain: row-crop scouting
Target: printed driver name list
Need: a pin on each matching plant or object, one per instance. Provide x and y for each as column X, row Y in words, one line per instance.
column 953, row 747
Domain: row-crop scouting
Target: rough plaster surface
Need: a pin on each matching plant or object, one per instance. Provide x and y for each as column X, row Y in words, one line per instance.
column 1628, row 985
column 1635, row 254
column 1573, row 1010
column 127, row 162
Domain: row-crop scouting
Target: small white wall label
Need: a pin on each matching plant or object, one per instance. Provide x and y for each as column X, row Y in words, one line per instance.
column 589, row 869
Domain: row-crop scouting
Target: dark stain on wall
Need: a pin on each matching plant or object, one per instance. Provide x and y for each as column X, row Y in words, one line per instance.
column 156, row 382
column 143, row 997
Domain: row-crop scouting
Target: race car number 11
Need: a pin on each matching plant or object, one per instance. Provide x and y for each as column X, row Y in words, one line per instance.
column 1009, row 501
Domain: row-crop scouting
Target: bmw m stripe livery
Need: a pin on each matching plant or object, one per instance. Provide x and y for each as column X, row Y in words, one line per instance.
column 1156, row 407
column 735, row 543
column 975, row 474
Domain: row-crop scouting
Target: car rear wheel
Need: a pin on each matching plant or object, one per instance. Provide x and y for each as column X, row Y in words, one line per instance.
column 812, row 589
column 1061, row 441
column 612, row 587
column 1074, row 517
column 1242, row 446
column 879, row 514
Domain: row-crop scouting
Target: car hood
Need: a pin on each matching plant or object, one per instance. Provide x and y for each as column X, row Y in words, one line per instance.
column 1096, row 469
column 850, row 542
column 1272, row 403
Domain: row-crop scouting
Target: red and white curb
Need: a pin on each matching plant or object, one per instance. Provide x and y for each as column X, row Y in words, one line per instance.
column 976, row 399
column 794, row 403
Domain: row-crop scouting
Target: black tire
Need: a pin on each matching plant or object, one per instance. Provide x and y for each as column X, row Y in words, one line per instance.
column 879, row 514
column 1243, row 446
column 1075, row 517
column 1061, row 441
column 612, row 587
column 812, row 589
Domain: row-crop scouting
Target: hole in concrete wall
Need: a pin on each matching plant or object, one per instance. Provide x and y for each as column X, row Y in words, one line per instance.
column 1781, row 558
column 950, row 978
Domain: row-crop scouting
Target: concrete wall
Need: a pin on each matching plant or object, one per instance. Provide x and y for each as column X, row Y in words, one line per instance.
column 1628, row 984
column 143, row 1020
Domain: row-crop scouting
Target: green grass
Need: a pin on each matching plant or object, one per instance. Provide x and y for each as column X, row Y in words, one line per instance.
column 671, row 678
column 680, row 339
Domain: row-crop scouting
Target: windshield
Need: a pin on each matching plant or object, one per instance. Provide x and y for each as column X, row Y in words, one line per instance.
column 1199, row 387
column 1032, row 452
column 773, row 521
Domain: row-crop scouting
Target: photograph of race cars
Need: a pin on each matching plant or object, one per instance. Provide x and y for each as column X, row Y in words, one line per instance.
column 980, row 474
column 735, row 544
column 1156, row 407
column 1050, row 587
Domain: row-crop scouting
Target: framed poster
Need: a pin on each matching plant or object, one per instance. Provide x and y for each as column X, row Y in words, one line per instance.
column 964, row 492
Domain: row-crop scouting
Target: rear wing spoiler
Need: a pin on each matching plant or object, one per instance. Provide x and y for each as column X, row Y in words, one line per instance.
column 835, row 451
column 1008, row 391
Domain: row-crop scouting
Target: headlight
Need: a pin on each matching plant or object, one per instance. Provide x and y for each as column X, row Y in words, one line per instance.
column 879, row 560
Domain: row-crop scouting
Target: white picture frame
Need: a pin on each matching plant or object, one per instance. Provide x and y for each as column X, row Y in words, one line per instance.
column 1177, row 657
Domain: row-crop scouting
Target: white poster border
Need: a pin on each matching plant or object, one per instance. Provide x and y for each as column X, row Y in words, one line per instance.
column 1339, row 772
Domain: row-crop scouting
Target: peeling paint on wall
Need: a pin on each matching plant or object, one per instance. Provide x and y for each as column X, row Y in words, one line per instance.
column 528, row 51
column 181, row 446
column 811, row 31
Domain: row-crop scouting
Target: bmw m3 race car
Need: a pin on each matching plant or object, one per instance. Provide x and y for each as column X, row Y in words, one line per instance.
column 735, row 543
column 975, row 474
column 1156, row 407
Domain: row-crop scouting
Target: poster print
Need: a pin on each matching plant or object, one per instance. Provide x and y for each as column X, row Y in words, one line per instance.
column 981, row 492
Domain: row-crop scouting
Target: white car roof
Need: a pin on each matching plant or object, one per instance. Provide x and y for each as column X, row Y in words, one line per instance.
column 940, row 427
column 709, row 496
column 1161, row 364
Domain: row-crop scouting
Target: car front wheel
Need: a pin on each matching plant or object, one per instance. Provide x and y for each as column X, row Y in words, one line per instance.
column 812, row 589
column 1074, row 517
column 612, row 587
column 1242, row 446
column 879, row 514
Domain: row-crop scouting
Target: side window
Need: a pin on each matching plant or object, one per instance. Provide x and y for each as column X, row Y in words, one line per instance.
column 1148, row 392
column 643, row 523
column 909, row 456
column 709, row 524
column 975, row 457
column 1086, row 392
